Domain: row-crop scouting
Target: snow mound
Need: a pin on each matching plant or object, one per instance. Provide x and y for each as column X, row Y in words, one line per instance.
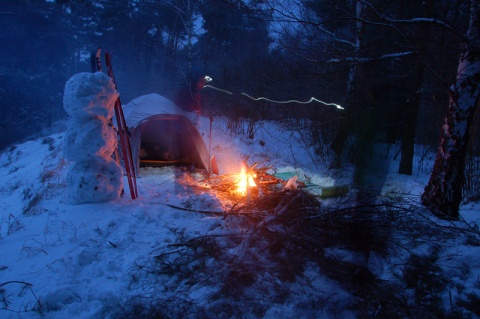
column 91, row 139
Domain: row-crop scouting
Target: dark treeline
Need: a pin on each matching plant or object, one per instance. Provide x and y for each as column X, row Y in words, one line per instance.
column 389, row 63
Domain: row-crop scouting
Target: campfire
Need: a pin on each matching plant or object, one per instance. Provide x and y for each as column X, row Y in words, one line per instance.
column 255, row 189
column 251, row 183
column 245, row 181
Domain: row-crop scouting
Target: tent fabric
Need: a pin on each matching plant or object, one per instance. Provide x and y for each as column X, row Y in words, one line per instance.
column 144, row 106
column 161, row 133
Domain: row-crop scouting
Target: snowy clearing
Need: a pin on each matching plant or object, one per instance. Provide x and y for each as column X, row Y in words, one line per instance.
column 126, row 257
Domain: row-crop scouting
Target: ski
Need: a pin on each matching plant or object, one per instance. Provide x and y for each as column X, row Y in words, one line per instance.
column 123, row 133
column 96, row 60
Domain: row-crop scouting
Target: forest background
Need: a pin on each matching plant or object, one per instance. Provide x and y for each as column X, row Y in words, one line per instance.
column 389, row 64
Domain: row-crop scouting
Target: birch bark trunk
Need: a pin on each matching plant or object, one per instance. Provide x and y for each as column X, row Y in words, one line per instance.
column 443, row 193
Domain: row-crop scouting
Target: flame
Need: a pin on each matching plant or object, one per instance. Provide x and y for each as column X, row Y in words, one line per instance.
column 244, row 182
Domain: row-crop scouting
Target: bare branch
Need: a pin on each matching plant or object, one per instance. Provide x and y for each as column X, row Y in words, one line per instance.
column 365, row 60
column 410, row 21
column 392, row 25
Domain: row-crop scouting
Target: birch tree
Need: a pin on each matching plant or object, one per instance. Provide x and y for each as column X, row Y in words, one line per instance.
column 443, row 193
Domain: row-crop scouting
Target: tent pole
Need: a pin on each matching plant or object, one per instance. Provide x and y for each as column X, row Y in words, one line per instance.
column 210, row 146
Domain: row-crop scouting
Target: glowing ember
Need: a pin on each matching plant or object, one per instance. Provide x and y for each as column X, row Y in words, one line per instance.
column 244, row 182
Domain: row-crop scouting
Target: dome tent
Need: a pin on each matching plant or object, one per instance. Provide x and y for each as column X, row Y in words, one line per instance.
column 161, row 133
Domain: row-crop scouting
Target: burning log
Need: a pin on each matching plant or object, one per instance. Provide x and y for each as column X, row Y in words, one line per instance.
column 248, row 185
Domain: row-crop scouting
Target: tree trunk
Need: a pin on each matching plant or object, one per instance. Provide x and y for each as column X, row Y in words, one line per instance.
column 410, row 122
column 412, row 107
column 344, row 128
column 443, row 192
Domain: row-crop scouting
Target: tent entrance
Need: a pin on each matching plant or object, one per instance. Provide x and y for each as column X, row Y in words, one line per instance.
column 170, row 139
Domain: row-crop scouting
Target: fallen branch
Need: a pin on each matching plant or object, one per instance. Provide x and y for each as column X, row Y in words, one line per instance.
column 196, row 210
column 26, row 285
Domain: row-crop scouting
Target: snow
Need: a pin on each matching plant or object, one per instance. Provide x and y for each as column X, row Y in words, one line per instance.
column 82, row 261
column 89, row 95
column 91, row 140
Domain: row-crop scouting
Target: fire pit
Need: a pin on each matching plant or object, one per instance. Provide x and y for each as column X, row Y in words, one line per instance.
column 249, row 185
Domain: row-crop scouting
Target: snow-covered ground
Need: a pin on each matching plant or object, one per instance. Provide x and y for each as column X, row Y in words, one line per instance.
column 59, row 260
